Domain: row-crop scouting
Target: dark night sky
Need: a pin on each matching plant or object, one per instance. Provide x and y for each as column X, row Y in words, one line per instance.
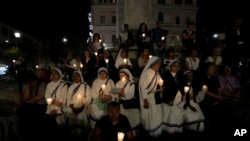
column 50, row 20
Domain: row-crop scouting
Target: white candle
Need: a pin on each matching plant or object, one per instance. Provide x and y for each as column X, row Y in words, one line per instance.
column 79, row 98
column 81, row 65
column 100, row 40
column 49, row 100
column 143, row 35
column 125, row 60
column 186, row 89
column 107, row 61
column 204, row 88
column 150, row 56
column 160, row 82
column 74, row 65
column 120, row 136
column 103, row 87
column 123, row 79
column 162, row 38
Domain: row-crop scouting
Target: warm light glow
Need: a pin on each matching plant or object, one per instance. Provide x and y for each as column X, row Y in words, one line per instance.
column 120, row 136
column 162, row 38
column 81, row 65
column 186, row 89
column 204, row 88
column 160, row 82
column 49, row 100
column 107, row 61
column 103, row 87
column 17, row 34
column 95, row 53
column 37, row 66
column 123, row 79
column 150, row 56
column 125, row 60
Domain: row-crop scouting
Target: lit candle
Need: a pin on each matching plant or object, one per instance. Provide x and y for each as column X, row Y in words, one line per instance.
column 120, row 136
column 150, row 56
column 81, row 65
column 95, row 53
column 125, row 61
column 186, row 89
column 204, row 88
column 107, row 61
column 37, row 66
column 160, row 82
column 14, row 61
column 123, row 79
column 49, row 100
column 143, row 36
column 103, row 87
column 162, row 38
column 74, row 65
column 100, row 40
column 79, row 97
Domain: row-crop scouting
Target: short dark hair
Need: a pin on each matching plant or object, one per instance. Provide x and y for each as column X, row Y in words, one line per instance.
column 114, row 104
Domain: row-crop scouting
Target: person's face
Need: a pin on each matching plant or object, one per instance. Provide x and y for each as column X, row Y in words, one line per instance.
column 54, row 76
column 175, row 68
column 113, row 113
column 194, row 53
column 211, row 70
column 145, row 52
column 76, row 78
column 227, row 70
column 156, row 67
column 87, row 53
column 105, row 55
column 123, row 75
column 123, row 54
column 189, row 77
column 102, row 75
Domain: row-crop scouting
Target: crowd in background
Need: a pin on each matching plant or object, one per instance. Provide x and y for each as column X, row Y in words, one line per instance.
column 169, row 90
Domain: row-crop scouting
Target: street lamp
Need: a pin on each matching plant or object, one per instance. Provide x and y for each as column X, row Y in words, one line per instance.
column 17, row 34
column 64, row 40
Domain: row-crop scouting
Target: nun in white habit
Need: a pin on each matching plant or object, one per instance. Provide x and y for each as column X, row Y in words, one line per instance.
column 127, row 91
column 122, row 60
column 101, row 95
column 57, row 90
column 78, row 100
column 151, row 113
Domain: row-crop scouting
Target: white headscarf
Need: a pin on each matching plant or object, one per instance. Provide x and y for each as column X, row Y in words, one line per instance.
column 79, row 73
column 59, row 72
column 102, row 69
column 153, row 60
column 119, row 60
column 128, row 73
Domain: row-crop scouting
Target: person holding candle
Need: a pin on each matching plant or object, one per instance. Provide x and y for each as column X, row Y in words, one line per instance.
column 194, row 118
column 57, row 90
column 101, row 95
column 142, row 37
column 96, row 44
column 122, row 60
column 112, row 127
column 173, row 97
column 127, row 92
column 76, row 108
column 150, row 109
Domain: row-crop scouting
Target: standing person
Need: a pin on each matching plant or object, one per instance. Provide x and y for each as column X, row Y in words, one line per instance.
column 127, row 92
column 236, row 38
column 22, row 69
column 142, row 38
column 57, row 91
column 77, row 102
column 158, row 38
column 101, row 95
column 107, row 128
column 150, row 107
column 172, row 98
column 189, row 36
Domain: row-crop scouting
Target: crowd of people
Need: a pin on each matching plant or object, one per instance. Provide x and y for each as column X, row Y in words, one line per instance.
column 155, row 97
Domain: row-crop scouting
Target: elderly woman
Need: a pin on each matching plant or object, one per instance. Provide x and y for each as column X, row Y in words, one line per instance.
column 101, row 95
column 78, row 100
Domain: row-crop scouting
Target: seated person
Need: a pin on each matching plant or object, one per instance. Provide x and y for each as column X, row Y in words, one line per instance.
column 107, row 128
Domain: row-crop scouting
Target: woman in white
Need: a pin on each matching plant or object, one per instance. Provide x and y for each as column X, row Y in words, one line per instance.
column 127, row 91
column 122, row 60
column 150, row 111
column 78, row 100
column 101, row 95
column 57, row 91
column 193, row 116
